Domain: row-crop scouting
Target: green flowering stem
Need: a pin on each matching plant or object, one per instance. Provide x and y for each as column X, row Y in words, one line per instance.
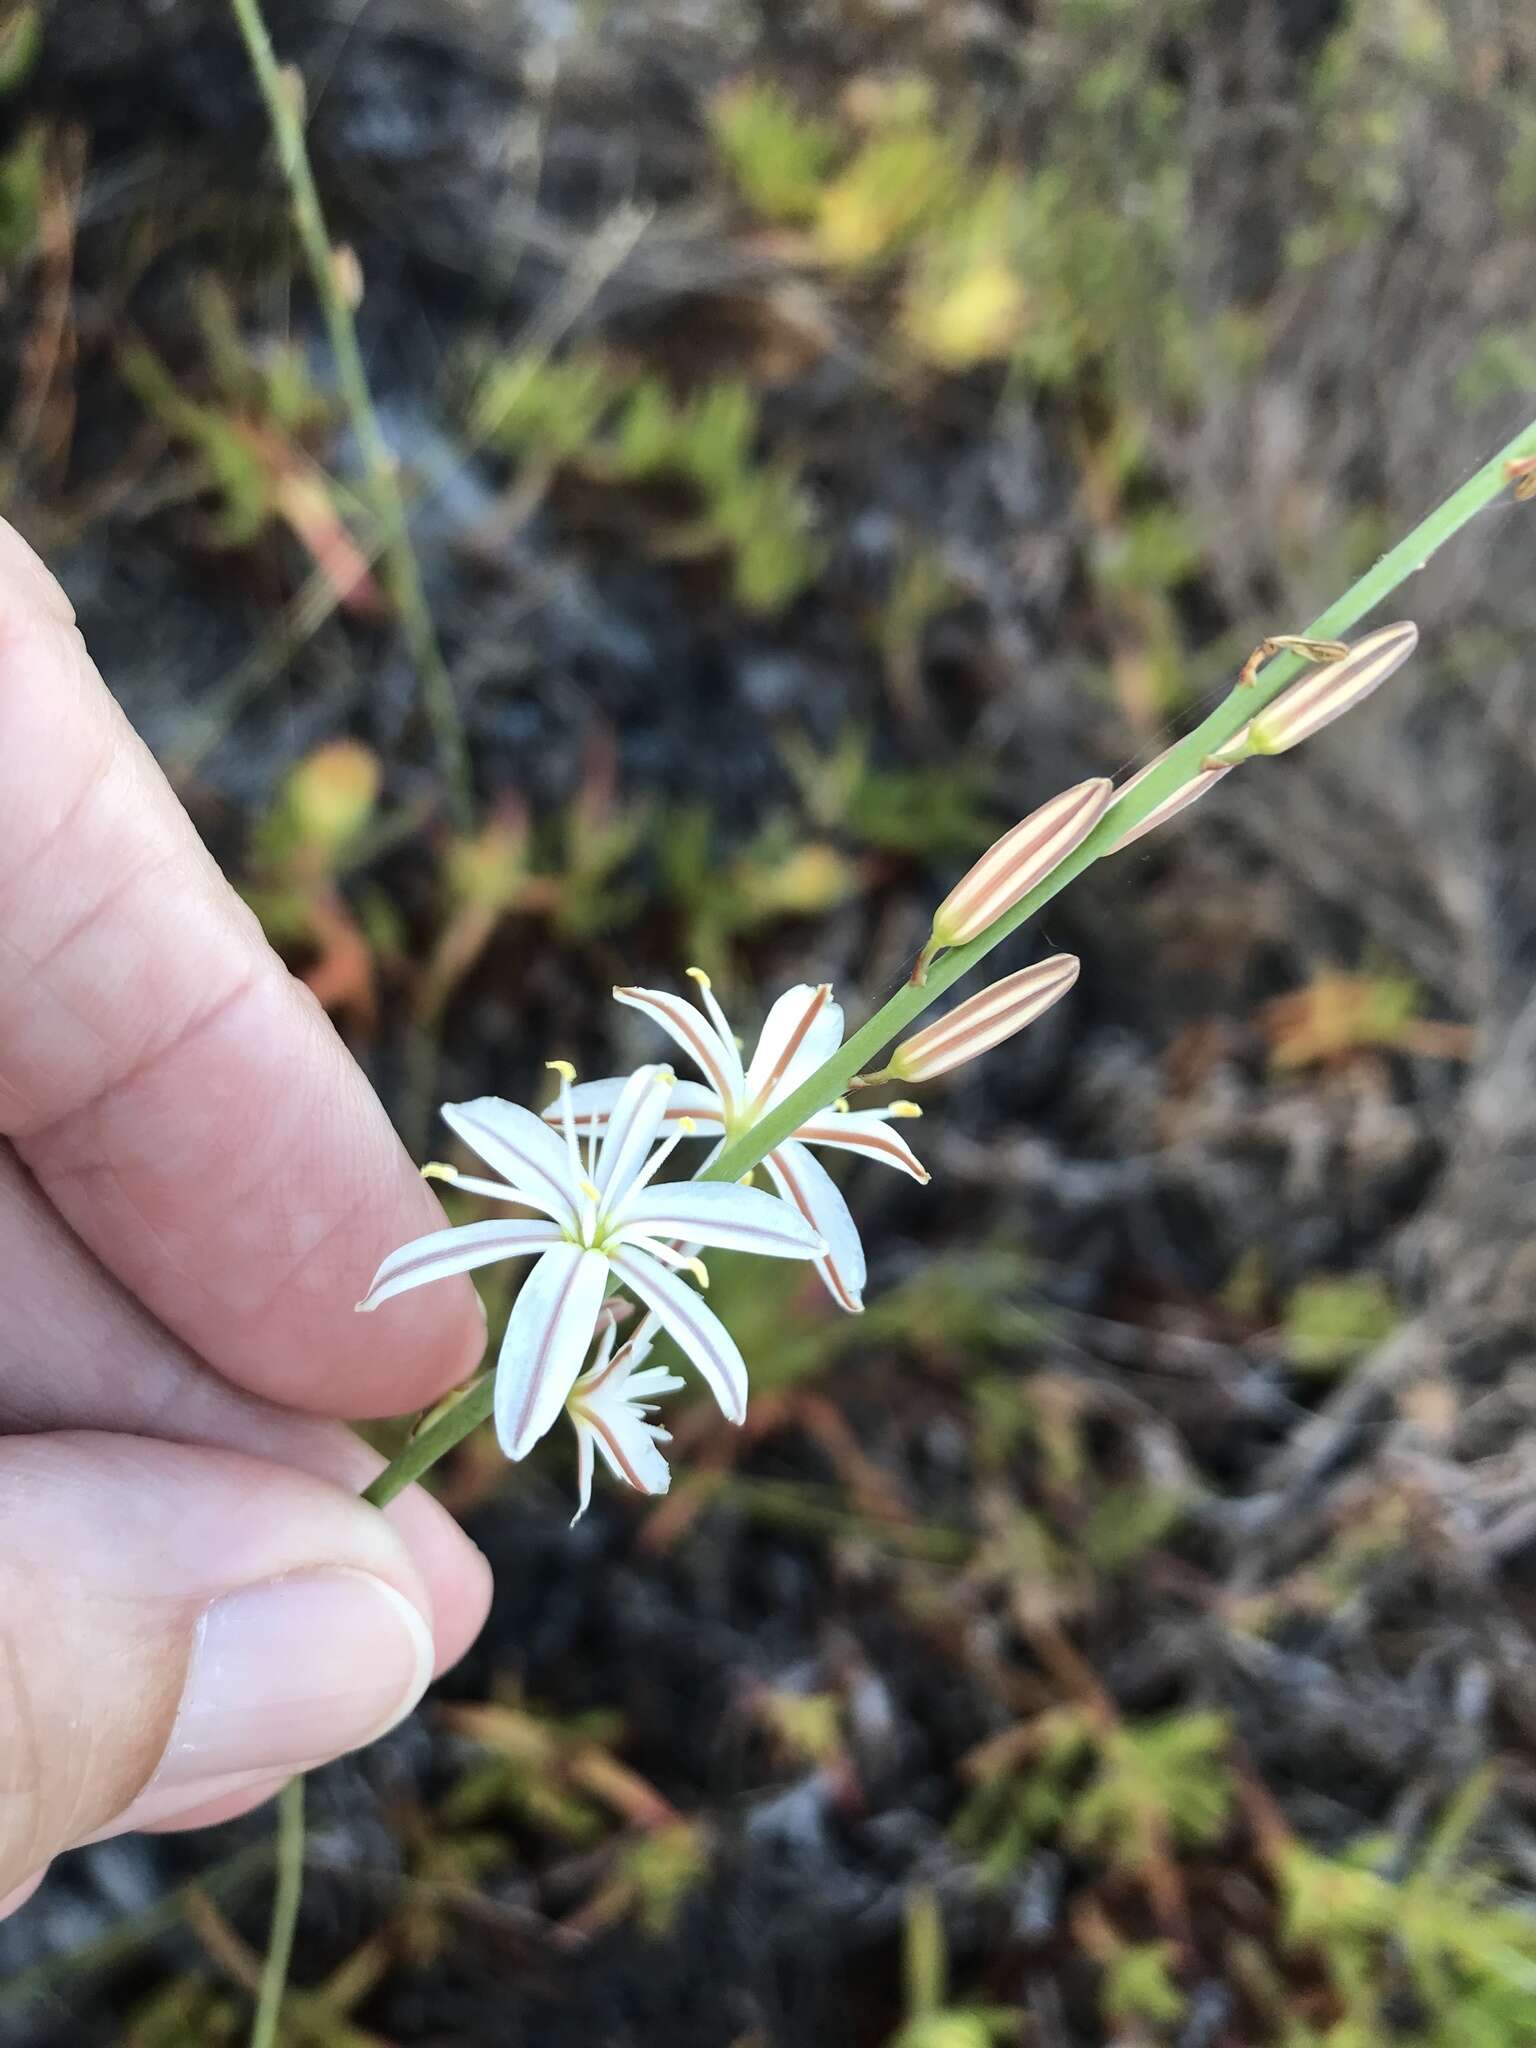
column 285, row 1915
column 282, row 92
column 833, row 1078
column 1180, row 763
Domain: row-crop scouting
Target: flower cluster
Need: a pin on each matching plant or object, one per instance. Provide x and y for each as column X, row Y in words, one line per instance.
column 604, row 1222
column 603, row 1219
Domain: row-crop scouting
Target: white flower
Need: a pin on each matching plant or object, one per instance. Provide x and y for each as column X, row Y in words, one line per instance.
column 605, row 1222
column 610, row 1408
column 804, row 1028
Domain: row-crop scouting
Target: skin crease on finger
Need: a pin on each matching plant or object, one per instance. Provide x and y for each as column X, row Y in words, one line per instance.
column 127, row 1374
column 181, row 1100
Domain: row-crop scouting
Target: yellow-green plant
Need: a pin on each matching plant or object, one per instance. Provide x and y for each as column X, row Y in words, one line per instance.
column 934, row 810
column 1139, row 1985
column 1125, row 1791
column 778, row 156
column 624, row 427
column 1331, row 1321
column 22, row 169
column 1439, row 1958
column 21, row 35
column 931, row 2021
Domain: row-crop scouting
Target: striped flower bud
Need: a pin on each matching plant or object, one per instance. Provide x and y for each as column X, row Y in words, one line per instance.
column 1019, row 861
column 1205, row 777
column 984, row 1020
column 1318, row 699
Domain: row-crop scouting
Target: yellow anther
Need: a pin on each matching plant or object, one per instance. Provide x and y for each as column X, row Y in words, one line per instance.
column 748, row 1177
column 904, row 1108
column 841, row 1105
column 436, row 1170
column 563, row 1068
column 687, row 1126
column 698, row 1269
column 697, row 974
column 592, row 1193
column 666, row 1077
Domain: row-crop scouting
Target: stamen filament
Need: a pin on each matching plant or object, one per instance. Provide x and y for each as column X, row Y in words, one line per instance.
column 567, row 1075
column 669, row 1255
column 686, row 1127
column 713, row 1011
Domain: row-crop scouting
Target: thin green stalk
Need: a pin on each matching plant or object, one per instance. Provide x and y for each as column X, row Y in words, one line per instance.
column 282, row 92
column 285, row 1915
column 429, row 1444
column 831, row 1079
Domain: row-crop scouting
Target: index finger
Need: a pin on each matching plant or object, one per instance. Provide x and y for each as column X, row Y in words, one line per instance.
column 183, row 1101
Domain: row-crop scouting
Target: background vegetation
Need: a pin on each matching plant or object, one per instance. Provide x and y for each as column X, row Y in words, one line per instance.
column 825, row 431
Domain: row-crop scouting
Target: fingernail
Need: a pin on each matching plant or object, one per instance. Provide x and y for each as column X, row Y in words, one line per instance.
column 293, row 1672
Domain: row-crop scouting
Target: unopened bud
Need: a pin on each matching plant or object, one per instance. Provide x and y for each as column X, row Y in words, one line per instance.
column 1020, row 861
column 984, row 1020
column 1205, row 777
column 1318, row 699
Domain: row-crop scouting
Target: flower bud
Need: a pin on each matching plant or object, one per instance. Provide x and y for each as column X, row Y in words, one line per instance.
column 1318, row 699
column 984, row 1020
column 1019, row 861
column 1205, row 777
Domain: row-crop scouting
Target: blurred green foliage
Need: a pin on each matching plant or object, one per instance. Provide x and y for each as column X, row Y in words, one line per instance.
column 623, row 426
column 21, row 192
column 21, row 34
column 778, row 156
column 1332, row 1321
column 1139, row 1985
column 1126, row 1792
column 1434, row 1959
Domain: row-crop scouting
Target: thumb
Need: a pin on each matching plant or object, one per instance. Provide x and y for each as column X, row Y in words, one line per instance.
column 180, row 1623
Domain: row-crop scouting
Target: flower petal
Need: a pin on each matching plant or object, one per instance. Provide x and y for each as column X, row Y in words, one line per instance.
column 592, row 1104
column 715, row 1057
column 712, row 1212
column 691, row 1324
column 803, row 1180
column 459, row 1250
column 524, row 1151
column 867, row 1132
column 803, row 1028
column 583, row 1467
column 548, row 1333
column 632, row 1127
column 612, row 1404
column 629, row 1448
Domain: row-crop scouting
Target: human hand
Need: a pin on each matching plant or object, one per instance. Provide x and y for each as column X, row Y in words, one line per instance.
column 195, row 1184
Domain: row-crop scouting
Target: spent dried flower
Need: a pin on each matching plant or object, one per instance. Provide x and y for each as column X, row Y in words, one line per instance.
column 602, row 1218
column 1339, row 685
